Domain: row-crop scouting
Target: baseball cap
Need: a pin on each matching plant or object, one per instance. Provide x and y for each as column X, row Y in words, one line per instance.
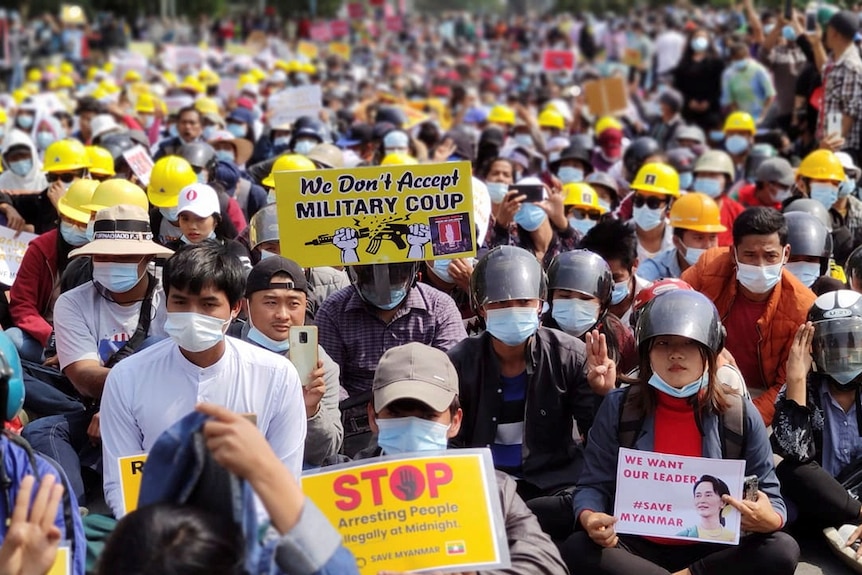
column 260, row 276
column 846, row 23
column 199, row 199
column 776, row 170
column 415, row 371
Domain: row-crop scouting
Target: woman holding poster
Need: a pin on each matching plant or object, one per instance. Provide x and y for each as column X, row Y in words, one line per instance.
column 681, row 409
column 709, row 492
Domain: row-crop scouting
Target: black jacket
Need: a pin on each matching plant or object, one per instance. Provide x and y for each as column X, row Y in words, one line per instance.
column 557, row 395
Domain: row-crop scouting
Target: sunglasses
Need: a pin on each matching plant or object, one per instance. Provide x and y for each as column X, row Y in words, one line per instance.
column 582, row 215
column 652, row 202
column 66, row 178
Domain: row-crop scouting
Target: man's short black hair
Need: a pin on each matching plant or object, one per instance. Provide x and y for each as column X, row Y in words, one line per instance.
column 613, row 240
column 208, row 263
column 760, row 221
column 191, row 109
column 89, row 104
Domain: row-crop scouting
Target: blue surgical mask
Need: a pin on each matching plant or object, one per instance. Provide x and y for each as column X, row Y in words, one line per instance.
column 568, row 174
column 768, row 29
column 620, row 293
column 575, row 316
column 172, row 131
column 583, row 225
column 208, row 132
column 699, row 44
column 281, row 142
column 497, row 191
column 44, row 139
column 116, row 277
column 736, row 144
column 25, row 122
column 396, row 296
column 789, row 33
column 259, row 338
column 91, row 232
column 170, row 214
column 530, row 217
column 149, row 121
column 709, row 186
column 73, row 235
column 692, row 254
column 524, row 140
column 647, row 218
column 605, row 205
column 685, row 180
column 806, row 272
column 846, row 188
column 225, row 156
column 403, row 435
column 826, row 194
column 238, row 130
column 758, row 279
column 716, row 135
column 512, row 325
column 270, row 197
column 681, row 392
column 21, row 167
column 441, row 270
column 202, row 177
column 304, row 146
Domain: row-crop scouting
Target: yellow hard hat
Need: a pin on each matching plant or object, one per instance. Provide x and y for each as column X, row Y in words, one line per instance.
column 50, row 70
column 258, row 75
column 294, row 66
column 109, row 86
column 607, row 122
column 502, row 115
column 64, row 82
column 209, row 77
column 551, row 118
column 146, row 104
column 288, row 163
column 398, row 159
column 100, row 93
column 583, row 196
column 170, row 78
column 19, row 95
column 3, row 117
column 108, row 67
column 32, row 88
column 309, row 68
column 101, row 161
column 117, row 191
column 245, row 79
column 821, row 165
column 132, row 76
column 92, row 72
column 192, row 84
column 282, row 65
column 698, row 212
column 169, row 175
column 72, row 203
column 67, row 69
column 34, row 75
column 657, row 178
column 207, row 106
column 740, row 121
column 66, row 156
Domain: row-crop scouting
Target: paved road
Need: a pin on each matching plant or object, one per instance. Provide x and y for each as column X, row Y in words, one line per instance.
column 818, row 559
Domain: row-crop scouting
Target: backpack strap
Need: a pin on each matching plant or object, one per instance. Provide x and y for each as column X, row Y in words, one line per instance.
column 143, row 328
column 630, row 420
column 733, row 428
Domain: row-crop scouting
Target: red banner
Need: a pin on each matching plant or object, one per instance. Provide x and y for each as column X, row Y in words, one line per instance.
column 339, row 28
column 558, row 60
column 321, row 32
column 355, row 10
column 394, row 23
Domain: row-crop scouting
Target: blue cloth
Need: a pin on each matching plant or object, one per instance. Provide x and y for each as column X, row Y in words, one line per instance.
column 18, row 465
column 841, row 442
column 664, row 265
column 597, row 483
column 507, row 455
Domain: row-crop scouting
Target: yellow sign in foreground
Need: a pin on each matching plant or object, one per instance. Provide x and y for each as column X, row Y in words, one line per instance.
column 432, row 511
column 376, row 215
column 62, row 563
column 131, row 473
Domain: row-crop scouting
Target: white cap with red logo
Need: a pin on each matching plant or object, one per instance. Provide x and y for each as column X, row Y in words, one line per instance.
column 199, row 199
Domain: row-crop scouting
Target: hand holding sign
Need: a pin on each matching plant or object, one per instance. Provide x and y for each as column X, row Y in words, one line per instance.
column 756, row 516
column 601, row 369
column 31, row 543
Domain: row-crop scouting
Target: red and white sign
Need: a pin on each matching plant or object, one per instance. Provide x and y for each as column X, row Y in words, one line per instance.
column 394, row 23
column 321, row 32
column 558, row 60
column 339, row 28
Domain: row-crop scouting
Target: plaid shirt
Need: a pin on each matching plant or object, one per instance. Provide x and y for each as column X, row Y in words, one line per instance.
column 355, row 338
column 843, row 93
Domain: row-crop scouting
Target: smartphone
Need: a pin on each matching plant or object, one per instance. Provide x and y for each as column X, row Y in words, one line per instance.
column 833, row 123
column 303, row 351
column 810, row 22
column 534, row 193
column 788, row 10
column 750, row 487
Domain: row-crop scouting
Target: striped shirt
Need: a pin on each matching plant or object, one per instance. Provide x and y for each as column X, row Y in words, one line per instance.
column 506, row 449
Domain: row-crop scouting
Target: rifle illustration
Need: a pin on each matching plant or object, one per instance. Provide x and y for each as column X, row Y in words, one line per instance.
column 327, row 238
column 395, row 233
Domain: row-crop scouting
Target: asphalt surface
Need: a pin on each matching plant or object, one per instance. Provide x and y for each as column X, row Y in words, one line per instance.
column 818, row 559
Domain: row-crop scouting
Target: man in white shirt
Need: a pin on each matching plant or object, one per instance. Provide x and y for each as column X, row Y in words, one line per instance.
column 148, row 392
column 96, row 325
column 669, row 46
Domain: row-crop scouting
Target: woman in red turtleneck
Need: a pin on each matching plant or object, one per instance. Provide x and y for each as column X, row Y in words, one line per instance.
column 680, row 401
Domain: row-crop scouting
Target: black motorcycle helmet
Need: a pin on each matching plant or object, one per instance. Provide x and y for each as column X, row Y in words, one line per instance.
column 837, row 344
column 575, row 151
column 637, row 153
column 200, row 155
column 853, row 267
column 808, row 236
column 759, row 153
column 507, row 273
column 384, row 286
column 685, row 313
column 583, row 272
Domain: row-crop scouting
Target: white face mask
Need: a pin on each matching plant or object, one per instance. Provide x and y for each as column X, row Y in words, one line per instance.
column 647, row 218
column 758, row 279
column 806, row 272
column 195, row 332
column 692, row 254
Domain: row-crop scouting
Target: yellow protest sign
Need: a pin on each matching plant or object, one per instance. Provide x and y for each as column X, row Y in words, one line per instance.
column 62, row 563
column 430, row 511
column 235, row 49
column 340, row 49
column 131, row 473
column 145, row 49
column 307, row 49
column 383, row 214
column 632, row 57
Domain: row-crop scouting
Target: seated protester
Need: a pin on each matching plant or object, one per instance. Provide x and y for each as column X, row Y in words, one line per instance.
column 277, row 293
column 22, row 168
column 540, row 228
column 415, row 407
column 228, row 171
column 439, row 274
column 204, row 285
column 773, row 180
column 189, row 129
column 681, row 412
column 760, row 302
column 739, row 130
column 654, row 188
column 383, row 306
column 21, row 465
column 48, row 130
column 640, row 152
column 98, row 324
column 581, row 284
column 606, row 188
column 582, row 206
column 696, row 224
column 201, row 218
column 265, row 172
column 101, row 163
column 810, row 252
column 169, row 176
column 538, row 374
column 714, row 176
column 32, row 296
column 202, row 158
column 816, row 422
column 195, row 539
column 65, row 162
column 682, row 160
column 573, row 163
column 616, row 243
column 264, row 242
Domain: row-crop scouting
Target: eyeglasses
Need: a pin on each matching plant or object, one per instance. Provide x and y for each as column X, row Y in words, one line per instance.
column 65, row 177
column 652, row 202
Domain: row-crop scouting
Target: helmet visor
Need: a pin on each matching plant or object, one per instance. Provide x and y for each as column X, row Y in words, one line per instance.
column 383, row 285
column 837, row 348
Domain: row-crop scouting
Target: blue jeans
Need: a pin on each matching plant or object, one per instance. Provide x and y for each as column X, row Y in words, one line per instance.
column 27, row 346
